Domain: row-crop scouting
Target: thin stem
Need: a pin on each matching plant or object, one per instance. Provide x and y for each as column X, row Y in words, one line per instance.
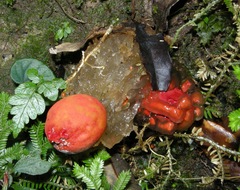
column 196, row 17
column 212, row 143
column 69, row 16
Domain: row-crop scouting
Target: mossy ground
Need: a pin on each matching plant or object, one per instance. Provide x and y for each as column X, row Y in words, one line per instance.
column 28, row 29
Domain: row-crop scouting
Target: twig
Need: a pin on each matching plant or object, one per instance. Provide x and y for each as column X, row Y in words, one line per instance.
column 226, row 64
column 218, row 170
column 209, row 177
column 92, row 53
column 196, row 17
column 221, row 167
column 133, row 9
column 69, row 16
column 212, row 143
column 218, row 81
column 141, row 144
column 169, row 155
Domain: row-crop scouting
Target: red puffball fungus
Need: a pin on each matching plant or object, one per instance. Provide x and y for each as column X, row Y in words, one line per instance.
column 173, row 110
column 75, row 123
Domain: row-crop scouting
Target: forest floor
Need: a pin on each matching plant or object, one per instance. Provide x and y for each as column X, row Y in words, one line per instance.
column 29, row 28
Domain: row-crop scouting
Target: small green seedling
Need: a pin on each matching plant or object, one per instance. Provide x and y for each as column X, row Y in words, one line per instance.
column 64, row 31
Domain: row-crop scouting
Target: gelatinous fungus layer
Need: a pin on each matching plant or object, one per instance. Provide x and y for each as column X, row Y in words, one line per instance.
column 114, row 76
column 173, row 110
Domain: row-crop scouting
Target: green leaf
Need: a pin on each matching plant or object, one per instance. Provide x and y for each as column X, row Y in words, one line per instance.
column 238, row 92
column 64, row 31
column 229, row 5
column 206, row 20
column 59, row 83
column 68, row 30
column 122, row 181
column 50, row 88
column 236, row 71
column 33, row 75
column 234, row 120
column 26, row 104
column 105, row 184
column 205, row 37
column 20, row 68
column 103, row 155
column 65, row 25
column 59, row 35
column 32, row 165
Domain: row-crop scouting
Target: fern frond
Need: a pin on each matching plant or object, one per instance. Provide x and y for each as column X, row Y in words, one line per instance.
column 92, row 171
column 122, row 181
column 55, row 179
column 53, row 159
column 234, row 120
column 59, row 182
column 212, row 111
column 54, row 183
column 69, row 182
column 36, row 134
column 208, row 114
column 26, row 185
column 204, row 72
column 83, row 173
column 234, row 8
column 4, row 133
column 4, row 109
column 229, row 5
column 9, row 154
column 105, row 184
column 49, row 185
column 39, row 142
column 46, row 146
column 96, row 170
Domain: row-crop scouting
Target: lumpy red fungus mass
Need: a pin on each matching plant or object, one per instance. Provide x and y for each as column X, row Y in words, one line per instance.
column 75, row 123
column 173, row 110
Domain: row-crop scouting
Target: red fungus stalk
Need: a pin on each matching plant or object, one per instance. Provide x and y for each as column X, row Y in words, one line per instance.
column 75, row 123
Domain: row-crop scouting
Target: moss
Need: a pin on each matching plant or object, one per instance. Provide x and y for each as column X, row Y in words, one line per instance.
column 103, row 13
column 28, row 27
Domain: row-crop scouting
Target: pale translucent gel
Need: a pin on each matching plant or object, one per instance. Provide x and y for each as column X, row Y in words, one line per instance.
column 117, row 81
